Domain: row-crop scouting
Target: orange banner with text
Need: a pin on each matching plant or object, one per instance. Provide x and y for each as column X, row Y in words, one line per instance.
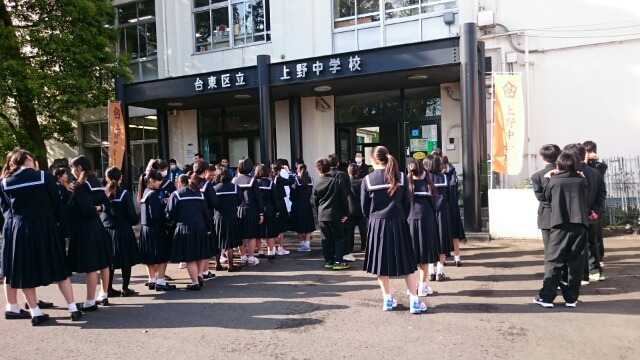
column 508, row 124
column 116, row 135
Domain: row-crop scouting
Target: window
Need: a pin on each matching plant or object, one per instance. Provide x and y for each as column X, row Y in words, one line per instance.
column 225, row 24
column 359, row 12
column 138, row 38
column 95, row 141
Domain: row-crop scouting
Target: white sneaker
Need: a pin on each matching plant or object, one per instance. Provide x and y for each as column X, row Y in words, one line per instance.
column 243, row 260
column 542, row 303
column 349, row 258
column 570, row 305
column 282, row 251
column 425, row 291
column 182, row 265
column 223, row 260
column 584, row 282
column 252, row 261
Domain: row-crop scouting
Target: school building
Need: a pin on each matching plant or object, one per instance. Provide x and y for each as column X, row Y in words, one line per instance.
column 275, row 79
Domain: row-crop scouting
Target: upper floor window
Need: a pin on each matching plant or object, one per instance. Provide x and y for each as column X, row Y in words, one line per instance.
column 220, row 24
column 138, row 38
column 360, row 12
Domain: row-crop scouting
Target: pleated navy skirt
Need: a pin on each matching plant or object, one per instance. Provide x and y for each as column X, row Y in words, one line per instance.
column 226, row 229
column 445, row 238
column 125, row 247
column 248, row 219
column 269, row 227
column 302, row 218
column 424, row 238
column 457, row 227
column 31, row 253
column 389, row 249
column 89, row 248
column 191, row 243
column 284, row 224
column 155, row 245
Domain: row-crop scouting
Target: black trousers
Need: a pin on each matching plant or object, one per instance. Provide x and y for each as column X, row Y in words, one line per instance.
column 361, row 222
column 600, row 238
column 567, row 245
column 546, row 233
column 332, row 240
column 592, row 256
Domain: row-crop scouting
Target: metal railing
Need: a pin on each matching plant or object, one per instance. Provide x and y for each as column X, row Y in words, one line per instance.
column 623, row 190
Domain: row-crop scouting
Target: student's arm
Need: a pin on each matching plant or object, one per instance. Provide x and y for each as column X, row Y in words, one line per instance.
column 539, row 183
column 274, row 199
column 344, row 201
column 406, row 198
column 211, row 196
column 547, row 190
column 54, row 195
column 130, row 209
column 365, row 199
column 258, row 197
column 103, row 201
column 315, row 199
column 171, row 208
column 598, row 205
column 294, row 192
column 156, row 210
column 207, row 216
column 82, row 199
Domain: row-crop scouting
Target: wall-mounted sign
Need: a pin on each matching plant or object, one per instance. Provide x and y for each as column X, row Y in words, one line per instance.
column 116, row 135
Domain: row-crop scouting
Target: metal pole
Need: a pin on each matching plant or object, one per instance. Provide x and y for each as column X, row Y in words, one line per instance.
column 295, row 127
column 491, row 184
column 266, row 144
column 163, row 134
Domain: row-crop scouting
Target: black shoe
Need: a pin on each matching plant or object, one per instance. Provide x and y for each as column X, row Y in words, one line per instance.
column 200, row 281
column 234, row 268
column 447, row 255
column 271, row 257
column 39, row 320
column 167, row 278
column 22, row 315
column 76, row 315
column 81, row 307
column 440, row 277
column 193, row 287
column 113, row 293
column 218, row 267
column 432, row 277
column 103, row 302
column 166, row 287
column 209, row 276
column 126, row 292
column 458, row 263
column 41, row 305
column 261, row 256
column 152, row 286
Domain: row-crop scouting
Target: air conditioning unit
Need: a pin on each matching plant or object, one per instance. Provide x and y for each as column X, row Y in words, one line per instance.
column 486, row 19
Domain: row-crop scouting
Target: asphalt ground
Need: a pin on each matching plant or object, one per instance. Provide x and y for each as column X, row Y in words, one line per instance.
column 292, row 308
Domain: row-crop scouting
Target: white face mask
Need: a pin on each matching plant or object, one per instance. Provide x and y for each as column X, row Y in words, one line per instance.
column 163, row 173
column 173, row 167
column 359, row 160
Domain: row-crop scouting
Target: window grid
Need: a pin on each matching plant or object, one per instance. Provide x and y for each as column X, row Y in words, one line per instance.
column 144, row 62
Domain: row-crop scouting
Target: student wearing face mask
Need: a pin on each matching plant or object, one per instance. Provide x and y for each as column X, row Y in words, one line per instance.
column 174, row 170
column 363, row 169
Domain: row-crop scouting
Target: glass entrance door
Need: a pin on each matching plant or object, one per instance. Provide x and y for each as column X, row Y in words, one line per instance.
column 421, row 137
column 141, row 153
column 242, row 147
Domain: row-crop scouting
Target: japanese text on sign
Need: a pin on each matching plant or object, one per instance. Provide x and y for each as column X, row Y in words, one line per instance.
column 225, row 81
column 334, row 66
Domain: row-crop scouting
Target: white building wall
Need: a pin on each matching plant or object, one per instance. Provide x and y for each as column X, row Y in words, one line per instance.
column 318, row 132
column 282, row 134
column 183, row 128
column 451, row 122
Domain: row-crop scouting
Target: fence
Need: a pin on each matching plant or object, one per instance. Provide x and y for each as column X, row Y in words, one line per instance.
column 623, row 190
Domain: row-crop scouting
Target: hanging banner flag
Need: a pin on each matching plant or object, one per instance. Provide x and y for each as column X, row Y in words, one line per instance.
column 116, row 135
column 508, row 124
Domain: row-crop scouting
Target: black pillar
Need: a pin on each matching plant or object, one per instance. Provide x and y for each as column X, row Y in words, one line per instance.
column 295, row 127
column 163, row 134
column 266, row 143
column 120, row 82
column 482, row 106
column 470, row 122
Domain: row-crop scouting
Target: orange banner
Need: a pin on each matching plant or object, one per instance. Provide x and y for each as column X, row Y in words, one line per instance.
column 116, row 135
column 508, row 125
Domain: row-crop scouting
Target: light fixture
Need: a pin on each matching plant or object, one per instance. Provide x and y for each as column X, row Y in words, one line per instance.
column 174, row 104
column 243, row 96
column 322, row 88
column 418, row 77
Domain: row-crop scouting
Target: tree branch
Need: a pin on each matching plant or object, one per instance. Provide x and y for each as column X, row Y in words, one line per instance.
column 8, row 121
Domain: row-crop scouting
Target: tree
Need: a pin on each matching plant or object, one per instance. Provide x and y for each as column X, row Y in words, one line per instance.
column 55, row 58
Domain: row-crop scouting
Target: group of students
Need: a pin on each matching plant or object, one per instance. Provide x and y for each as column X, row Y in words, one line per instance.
column 571, row 192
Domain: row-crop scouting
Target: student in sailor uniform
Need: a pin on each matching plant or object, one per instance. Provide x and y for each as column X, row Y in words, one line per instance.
column 201, row 170
column 64, row 194
column 225, row 219
column 89, row 249
column 154, row 244
column 268, row 230
column 250, row 213
column 166, row 189
column 457, row 226
column 387, row 203
column 117, row 224
column 422, row 222
column 187, row 207
column 282, row 180
column 432, row 165
column 32, row 253
column 302, row 220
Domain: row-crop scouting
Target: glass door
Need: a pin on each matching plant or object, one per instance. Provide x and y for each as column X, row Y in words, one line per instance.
column 247, row 146
column 421, row 137
column 141, row 153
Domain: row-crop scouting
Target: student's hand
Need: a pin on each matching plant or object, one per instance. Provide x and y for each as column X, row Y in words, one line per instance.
column 166, row 200
column 261, row 219
column 277, row 215
column 99, row 208
column 344, row 219
column 580, row 173
column 592, row 156
column 551, row 173
column 593, row 216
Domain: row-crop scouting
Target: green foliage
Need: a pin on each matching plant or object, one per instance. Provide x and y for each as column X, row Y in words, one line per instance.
column 526, row 184
column 56, row 59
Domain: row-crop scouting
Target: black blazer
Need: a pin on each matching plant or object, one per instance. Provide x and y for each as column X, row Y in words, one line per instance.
column 600, row 166
column 544, row 208
column 597, row 190
column 355, row 206
column 567, row 191
column 342, row 176
column 330, row 198
column 363, row 170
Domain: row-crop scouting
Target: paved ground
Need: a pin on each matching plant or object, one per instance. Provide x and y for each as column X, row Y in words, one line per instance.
column 294, row 309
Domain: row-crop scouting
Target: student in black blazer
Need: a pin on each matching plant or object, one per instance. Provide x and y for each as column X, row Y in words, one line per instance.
column 592, row 160
column 330, row 198
column 356, row 218
column 549, row 154
column 362, row 169
column 334, row 162
column 567, row 192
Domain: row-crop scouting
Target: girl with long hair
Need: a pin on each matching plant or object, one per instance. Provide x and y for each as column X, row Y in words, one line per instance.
column 154, row 244
column 191, row 241
column 268, row 230
column 386, row 202
column 250, row 213
column 199, row 174
column 89, row 248
column 282, row 180
column 422, row 222
column 302, row 220
column 457, row 225
column 225, row 219
column 118, row 222
column 32, row 254
column 432, row 164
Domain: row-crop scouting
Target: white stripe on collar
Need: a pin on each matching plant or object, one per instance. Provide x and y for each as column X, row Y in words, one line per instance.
column 144, row 197
column 92, row 188
column 267, row 188
column 299, row 183
column 246, row 185
column 204, row 187
column 4, row 182
column 384, row 186
column 234, row 192
column 165, row 184
column 446, row 182
column 422, row 193
column 201, row 197
column 121, row 197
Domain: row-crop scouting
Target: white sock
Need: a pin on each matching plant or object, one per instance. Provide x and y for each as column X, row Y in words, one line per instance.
column 307, row 243
column 431, row 270
column 102, row 296
column 13, row 308
column 195, row 283
column 243, row 257
column 205, row 273
column 440, row 269
column 388, row 296
column 72, row 307
column 152, row 280
column 456, row 257
column 36, row 312
column 413, row 298
column 161, row 282
column 89, row 303
column 423, row 284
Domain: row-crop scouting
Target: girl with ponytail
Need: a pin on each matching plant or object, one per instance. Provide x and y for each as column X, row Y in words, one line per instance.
column 457, row 226
column 302, row 220
column 198, row 177
column 250, row 211
column 117, row 225
column 225, row 219
column 386, row 201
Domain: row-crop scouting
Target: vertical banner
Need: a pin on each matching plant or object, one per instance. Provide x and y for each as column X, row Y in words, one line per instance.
column 116, row 135
column 508, row 124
